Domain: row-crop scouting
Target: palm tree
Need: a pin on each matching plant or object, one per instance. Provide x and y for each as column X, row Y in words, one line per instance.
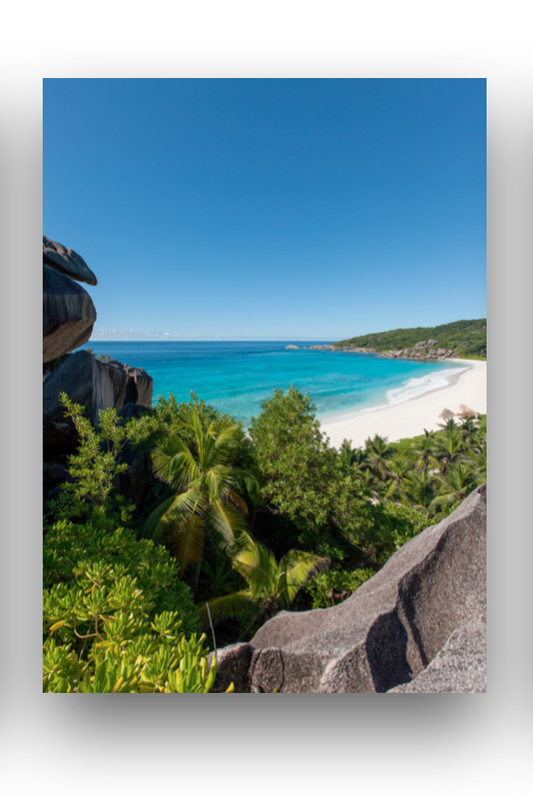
column 398, row 470
column 271, row 585
column 206, row 498
column 426, row 451
column 419, row 490
column 479, row 461
column 378, row 452
column 451, row 449
column 347, row 454
column 471, row 435
column 450, row 425
column 459, row 480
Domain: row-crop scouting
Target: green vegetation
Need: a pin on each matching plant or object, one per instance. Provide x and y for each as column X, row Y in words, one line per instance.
column 103, row 358
column 328, row 589
column 271, row 585
column 243, row 525
column 205, row 501
column 467, row 339
column 116, row 617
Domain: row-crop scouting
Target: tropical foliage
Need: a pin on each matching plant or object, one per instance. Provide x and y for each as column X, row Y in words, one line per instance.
column 466, row 338
column 116, row 617
column 328, row 589
column 271, row 585
column 206, row 498
column 254, row 523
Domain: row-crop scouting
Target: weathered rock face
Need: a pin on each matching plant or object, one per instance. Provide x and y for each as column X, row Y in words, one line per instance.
column 66, row 261
column 68, row 318
column 68, row 314
column 130, row 385
column 85, row 381
column 233, row 666
column 461, row 665
column 392, row 627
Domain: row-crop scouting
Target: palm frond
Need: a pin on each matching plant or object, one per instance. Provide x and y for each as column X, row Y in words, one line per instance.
column 256, row 563
column 238, row 502
column 244, row 480
column 219, row 482
column 299, row 567
column 170, row 516
column 238, row 603
column 174, row 462
column 188, row 542
column 224, row 524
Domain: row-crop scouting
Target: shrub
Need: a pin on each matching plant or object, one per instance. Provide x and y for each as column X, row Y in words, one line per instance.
column 144, row 666
column 69, row 548
column 333, row 587
column 116, row 616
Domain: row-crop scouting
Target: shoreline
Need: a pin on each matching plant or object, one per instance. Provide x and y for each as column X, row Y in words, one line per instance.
column 411, row 417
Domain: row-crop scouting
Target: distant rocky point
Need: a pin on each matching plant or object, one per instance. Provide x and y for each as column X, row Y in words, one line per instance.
column 424, row 350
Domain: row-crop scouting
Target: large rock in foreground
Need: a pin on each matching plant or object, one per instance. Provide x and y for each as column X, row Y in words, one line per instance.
column 388, row 632
column 461, row 665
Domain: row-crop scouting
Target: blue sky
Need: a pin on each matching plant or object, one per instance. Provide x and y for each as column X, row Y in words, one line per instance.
column 270, row 208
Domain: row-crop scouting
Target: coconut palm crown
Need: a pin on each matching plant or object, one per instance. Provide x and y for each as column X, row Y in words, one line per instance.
column 207, row 490
column 271, row 585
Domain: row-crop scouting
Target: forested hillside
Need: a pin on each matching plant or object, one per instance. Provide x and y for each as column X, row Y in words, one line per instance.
column 466, row 338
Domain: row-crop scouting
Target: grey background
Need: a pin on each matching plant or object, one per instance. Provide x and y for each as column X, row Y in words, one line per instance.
column 295, row 744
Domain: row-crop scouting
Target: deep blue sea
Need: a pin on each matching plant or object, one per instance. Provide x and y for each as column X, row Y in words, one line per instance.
column 237, row 376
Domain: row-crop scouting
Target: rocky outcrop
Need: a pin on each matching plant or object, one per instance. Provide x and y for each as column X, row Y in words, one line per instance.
column 421, row 351
column 424, row 350
column 130, row 385
column 67, row 262
column 96, row 386
column 68, row 318
column 233, row 667
column 390, row 630
column 461, row 665
column 85, row 381
column 68, row 310
column 68, row 314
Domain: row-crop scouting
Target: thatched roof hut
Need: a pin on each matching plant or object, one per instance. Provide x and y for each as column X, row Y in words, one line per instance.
column 446, row 414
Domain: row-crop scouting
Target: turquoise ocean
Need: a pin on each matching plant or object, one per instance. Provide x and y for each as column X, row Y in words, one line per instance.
column 236, row 376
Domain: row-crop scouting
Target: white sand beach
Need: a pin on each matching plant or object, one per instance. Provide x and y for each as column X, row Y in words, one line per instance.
column 412, row 417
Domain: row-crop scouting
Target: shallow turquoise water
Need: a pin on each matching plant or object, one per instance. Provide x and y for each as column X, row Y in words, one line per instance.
column 236, row 376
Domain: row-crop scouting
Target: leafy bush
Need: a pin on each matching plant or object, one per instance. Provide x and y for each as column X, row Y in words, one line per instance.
column 89, row 494
column 144, row 666
column 116, row 616
column 69, row 548
column 115, row 609
column 333, row 587
column 393, row 526
column 300, row 475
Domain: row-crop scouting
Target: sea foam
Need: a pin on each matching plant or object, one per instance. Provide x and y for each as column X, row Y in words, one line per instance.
column 410, row 389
